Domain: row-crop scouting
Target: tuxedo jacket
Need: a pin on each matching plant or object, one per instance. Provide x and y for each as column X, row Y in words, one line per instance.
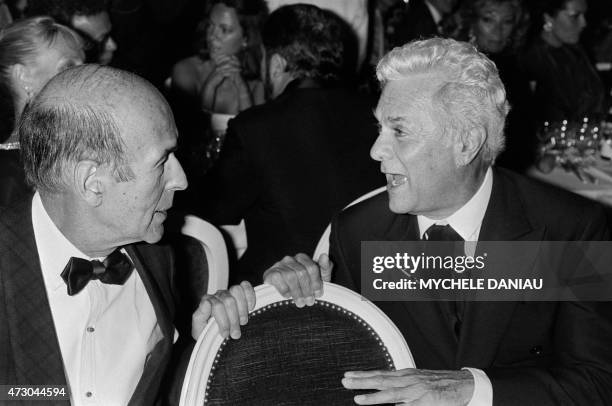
column 288, row 166
column 13, row 186
column 534, row 353
column 29, row 347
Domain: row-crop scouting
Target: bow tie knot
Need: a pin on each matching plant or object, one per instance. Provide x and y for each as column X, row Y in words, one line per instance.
column 115, row 270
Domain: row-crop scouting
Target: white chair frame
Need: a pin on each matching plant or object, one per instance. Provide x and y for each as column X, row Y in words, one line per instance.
column 208, row 344
column 214, row 246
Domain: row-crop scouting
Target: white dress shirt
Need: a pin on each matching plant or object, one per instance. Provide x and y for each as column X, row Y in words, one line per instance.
column 105, row 331
column 467, row 222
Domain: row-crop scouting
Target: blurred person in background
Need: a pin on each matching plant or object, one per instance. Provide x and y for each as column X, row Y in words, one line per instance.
column 32, row 51
column 567, row 87
column 416, row 19
column 354, row 13
column 290, row 164
column 222, row 79
column 11, row 10
column 498, row 28
column 225, row 74
column 5, row 15
column 89, row 18
column 495, row 26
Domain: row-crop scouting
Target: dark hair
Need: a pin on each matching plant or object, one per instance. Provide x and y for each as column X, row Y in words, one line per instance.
column 462, row 21
column 251, row 16
column 19, row 43
column 56, row 131
column 541, row 7
column 64, row 10
column 310, row 40
column 550, row 7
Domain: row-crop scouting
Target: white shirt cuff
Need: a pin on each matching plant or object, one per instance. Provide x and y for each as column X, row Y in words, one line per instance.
column 483, row 390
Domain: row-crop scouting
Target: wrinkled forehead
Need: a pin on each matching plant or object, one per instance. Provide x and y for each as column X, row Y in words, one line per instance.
column 407, row 96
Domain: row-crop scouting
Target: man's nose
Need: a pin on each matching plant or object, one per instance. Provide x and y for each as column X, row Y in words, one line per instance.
column 381, row 150
column 178, row 179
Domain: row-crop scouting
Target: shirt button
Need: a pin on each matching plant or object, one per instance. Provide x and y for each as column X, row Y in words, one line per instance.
column 89, row 394
column 90, row 330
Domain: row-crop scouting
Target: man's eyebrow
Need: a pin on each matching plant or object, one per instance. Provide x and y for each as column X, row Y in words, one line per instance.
column 167, row 152
column 396, row 120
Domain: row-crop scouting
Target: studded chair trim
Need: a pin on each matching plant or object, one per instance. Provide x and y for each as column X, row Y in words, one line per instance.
column 367, row 319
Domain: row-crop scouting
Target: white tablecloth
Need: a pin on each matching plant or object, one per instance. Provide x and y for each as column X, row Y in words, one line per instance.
column 600, row 191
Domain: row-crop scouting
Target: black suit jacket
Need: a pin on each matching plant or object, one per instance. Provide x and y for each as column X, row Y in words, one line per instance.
column 408, row 22
column 535, row 353
column 29, row 347
column 13, row 186
column 288, row 166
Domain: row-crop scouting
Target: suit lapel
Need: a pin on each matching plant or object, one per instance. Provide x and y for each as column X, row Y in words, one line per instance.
column 486, row 322
column 155, row 291
column 35, row 346
column 147, row 389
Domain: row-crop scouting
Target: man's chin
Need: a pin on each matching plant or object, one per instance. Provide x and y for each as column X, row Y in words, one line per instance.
column 154, row 235
column 397, row 207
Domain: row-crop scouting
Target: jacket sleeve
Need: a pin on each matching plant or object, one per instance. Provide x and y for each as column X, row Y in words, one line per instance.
column 232, row 186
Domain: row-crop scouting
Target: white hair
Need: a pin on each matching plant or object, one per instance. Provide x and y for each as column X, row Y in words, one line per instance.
column 471, row 92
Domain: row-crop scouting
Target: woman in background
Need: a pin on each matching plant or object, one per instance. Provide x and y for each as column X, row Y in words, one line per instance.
column 221, row 80
column 498, row 29
column 567, row 87
column 32, row 51
column 225, row 75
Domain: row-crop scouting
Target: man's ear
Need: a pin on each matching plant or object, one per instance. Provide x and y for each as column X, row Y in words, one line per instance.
column 22, row 76
column 90, row 182
column 469, row 144
column 278, row 66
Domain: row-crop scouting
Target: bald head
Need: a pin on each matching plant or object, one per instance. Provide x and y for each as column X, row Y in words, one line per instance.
column 97, row 85
column 78, row 115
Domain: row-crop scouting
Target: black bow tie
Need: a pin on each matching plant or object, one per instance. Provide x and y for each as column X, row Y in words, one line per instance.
column 115, row 269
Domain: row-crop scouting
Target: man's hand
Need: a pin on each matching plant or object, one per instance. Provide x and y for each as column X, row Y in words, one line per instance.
column 300, row 277
column 412, row 387
column 230, row 308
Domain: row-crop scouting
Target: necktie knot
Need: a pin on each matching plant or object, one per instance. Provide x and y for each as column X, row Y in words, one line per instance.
column 442, row 233
column 115, row 270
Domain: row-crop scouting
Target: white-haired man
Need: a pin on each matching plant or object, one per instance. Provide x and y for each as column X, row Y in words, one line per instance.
column 441, row 115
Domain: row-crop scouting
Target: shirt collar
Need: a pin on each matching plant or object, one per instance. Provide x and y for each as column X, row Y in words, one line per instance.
column 467, row 220
column 435, row 14
column 54, row 249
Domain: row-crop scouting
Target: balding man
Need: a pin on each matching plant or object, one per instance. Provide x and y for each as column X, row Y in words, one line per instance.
column 87, row 299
